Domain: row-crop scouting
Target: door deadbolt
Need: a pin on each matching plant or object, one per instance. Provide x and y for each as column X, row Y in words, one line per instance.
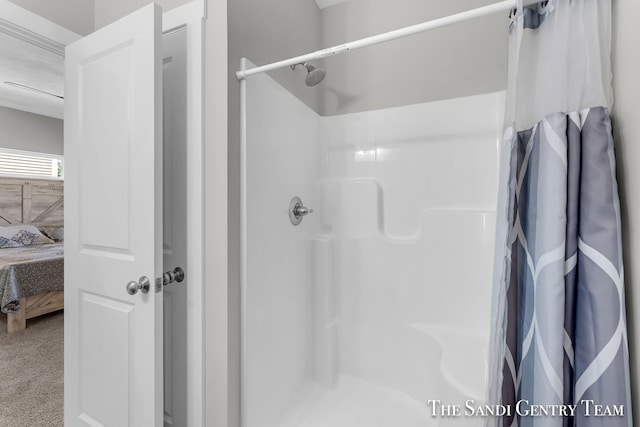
column 175, row 275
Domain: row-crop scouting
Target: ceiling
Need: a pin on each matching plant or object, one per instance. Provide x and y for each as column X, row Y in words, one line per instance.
column 42, row 69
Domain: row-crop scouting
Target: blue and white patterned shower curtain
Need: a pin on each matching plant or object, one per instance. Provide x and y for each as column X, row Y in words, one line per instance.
column 559, row 337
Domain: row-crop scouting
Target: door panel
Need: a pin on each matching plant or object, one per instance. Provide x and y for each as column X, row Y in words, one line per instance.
column 113, row 345
column 106, row 144
column 113, row 224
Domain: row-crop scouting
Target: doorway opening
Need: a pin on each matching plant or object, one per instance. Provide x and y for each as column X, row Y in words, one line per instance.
column 182, row 188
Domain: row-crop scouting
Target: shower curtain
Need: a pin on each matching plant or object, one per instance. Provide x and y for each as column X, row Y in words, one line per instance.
column 559, row 335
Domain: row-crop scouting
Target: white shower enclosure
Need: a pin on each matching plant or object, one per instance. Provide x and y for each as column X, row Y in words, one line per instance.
column 379, row 300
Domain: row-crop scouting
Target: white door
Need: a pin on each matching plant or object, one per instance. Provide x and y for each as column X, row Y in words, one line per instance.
column 113, row 221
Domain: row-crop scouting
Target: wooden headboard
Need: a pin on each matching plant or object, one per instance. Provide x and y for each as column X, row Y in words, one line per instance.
column 31, row 201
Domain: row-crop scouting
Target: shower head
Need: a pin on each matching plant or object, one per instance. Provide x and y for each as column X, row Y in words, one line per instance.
column 314, row 75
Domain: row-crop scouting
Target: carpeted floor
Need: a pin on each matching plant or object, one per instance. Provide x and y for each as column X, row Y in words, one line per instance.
column 31, row 373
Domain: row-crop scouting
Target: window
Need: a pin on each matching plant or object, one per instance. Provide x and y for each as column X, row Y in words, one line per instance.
column 27, row 163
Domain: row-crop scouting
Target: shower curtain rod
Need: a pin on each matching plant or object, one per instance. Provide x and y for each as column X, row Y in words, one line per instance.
column 390, row 35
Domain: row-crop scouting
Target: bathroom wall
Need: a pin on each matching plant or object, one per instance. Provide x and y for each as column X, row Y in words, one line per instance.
column 460, row 60
column 283, row 161
column 30, row 132
column 626, row 130
column 411, row 195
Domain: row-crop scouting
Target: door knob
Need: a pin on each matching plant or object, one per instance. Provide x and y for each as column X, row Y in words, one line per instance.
column 144, row 284
column 177, row 275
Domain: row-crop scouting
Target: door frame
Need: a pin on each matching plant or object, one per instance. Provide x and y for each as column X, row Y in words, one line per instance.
column 191, row 17
column 34, row 29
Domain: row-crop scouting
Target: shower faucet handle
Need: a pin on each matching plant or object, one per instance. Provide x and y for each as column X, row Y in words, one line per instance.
column 301, row 210
column 297, row 211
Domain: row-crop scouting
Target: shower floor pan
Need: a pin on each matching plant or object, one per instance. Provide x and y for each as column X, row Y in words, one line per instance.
column 358, row 403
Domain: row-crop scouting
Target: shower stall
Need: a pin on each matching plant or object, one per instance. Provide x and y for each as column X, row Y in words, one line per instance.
column 378, row 300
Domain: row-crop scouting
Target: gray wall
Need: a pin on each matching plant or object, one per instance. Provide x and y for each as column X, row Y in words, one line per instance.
column 268, row 31
column 465, row 59
column 626, row 130
column 75, row 15
column 460, row 60
column 30, row 132
column 222, row 328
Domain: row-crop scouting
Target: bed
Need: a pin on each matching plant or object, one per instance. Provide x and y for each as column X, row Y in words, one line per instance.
column 31, row 249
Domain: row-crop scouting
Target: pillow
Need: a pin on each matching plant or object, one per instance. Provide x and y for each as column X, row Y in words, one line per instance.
column 54, row 233
column 15, row 236
column 7, row 243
